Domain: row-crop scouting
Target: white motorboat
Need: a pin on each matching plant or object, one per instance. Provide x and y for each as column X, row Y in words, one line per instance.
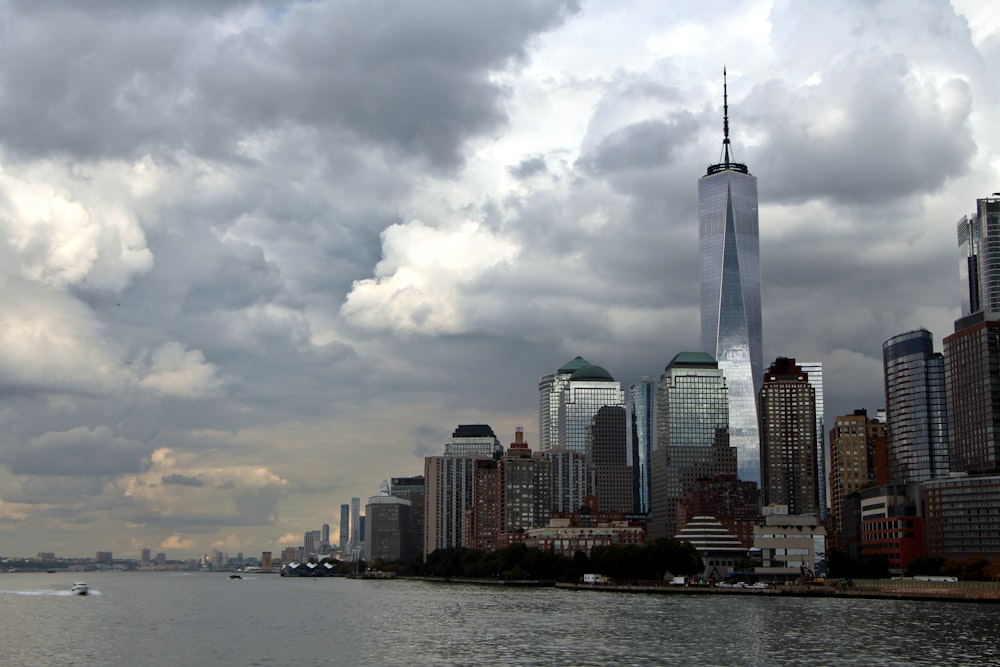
column 80, row 588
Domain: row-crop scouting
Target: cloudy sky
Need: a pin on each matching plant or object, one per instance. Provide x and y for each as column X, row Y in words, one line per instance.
column 256, row 257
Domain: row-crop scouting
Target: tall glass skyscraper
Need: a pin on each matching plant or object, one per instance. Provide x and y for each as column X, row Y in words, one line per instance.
column 692, row 418
column 917, row 409
column 550, row 397
column 729, row 260
column 642, row 397
column 589, row 389
column 815, row 371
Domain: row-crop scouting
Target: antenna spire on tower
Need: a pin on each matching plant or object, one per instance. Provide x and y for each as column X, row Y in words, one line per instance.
column 725, row 115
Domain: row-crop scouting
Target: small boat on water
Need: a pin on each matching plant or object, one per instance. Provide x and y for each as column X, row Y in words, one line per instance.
column 235, row 576
column 80, row 588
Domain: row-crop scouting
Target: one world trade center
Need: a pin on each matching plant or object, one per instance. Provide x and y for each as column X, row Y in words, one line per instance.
column 729, row 259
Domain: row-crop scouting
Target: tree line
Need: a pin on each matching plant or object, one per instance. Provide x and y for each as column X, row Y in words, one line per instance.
column 653, row 560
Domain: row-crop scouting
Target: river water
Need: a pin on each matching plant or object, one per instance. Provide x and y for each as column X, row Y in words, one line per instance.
column 160, row 619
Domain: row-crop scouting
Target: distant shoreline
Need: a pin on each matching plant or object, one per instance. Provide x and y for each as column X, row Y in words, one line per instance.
column 937, row 593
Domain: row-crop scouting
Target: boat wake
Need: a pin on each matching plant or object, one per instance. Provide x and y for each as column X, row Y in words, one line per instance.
column 39, row 592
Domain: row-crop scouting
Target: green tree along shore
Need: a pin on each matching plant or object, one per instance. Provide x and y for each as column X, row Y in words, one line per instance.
column 650, row 560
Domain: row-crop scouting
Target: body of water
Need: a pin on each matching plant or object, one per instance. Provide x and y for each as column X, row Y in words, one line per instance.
column 173, row 619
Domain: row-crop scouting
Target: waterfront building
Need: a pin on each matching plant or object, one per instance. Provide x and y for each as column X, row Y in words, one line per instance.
column 719, row 549
column 572, row 479
column 788, row 438
column 692, row 421
column 356, row 538
column 449, row 496
column 733, row 502
column 345, row 525
column 412, row 489
column 814, row 371
column 916, row 405
column 390, row 525
column 891, row 525
column 265, row 562
column 565, row 537
column 550, row 396
column 962, row 516
column 473, row 440
column 857, row 460
column 527, row 487
column 607, row 452
column 789, row 545
column 642, row 408
column 972, row 380
column 729, row 261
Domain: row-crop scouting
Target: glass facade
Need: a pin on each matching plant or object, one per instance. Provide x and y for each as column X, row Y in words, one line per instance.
column 589, row 389
column 814, row 369
column 550, row 389
column 916, row 408
column 988, row 211
column 642, row 397
column 729, row 260
column 692, row 418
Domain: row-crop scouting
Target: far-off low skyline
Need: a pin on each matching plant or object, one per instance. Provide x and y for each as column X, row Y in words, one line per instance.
column 260, row 256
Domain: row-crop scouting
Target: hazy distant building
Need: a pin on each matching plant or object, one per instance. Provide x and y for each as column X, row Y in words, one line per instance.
column 642, row 411
column 146, row 555
column 692, row 420
column 345, row 525
column 788, row 438
column 916, row 407
column 356, row 537
column 729, row 261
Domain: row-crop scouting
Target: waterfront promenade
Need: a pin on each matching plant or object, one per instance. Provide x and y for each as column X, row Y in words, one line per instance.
column 883, row 589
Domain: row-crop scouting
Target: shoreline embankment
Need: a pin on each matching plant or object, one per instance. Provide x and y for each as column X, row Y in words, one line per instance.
column 869, row 589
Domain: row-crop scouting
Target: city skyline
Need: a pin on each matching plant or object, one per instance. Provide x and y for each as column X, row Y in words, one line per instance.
column 260, row 257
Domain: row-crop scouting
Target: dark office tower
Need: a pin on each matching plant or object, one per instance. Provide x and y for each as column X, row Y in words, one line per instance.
column 607, row 452
column 412, row 489
column 390, row 524
column 916, row 408
column 788, row 438
column 345, row 525
column 972, row 353
column 692, row 416
column 642, row 402
column 325, row 536
column 729, row 260
column 550, row 390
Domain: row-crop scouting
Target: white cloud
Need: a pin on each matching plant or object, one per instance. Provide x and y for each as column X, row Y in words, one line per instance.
column 177, row 371
column 420, row 284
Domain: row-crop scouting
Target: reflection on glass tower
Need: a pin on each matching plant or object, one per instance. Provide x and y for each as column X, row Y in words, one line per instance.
column 729, row 259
